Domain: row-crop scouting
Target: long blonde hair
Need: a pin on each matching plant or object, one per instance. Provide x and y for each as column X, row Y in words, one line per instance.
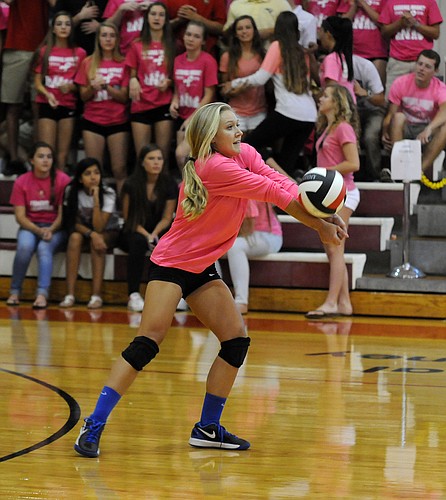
column 200, row 133
column 97, row 57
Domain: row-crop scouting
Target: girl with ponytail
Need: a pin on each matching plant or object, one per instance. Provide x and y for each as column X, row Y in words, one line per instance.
column 220, row 176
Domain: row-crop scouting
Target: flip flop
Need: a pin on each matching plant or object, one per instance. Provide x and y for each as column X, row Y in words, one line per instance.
column 13, row 302
column 40, row 305
column 319, row 314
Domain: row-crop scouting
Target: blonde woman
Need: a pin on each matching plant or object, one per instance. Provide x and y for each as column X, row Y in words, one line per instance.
column 336, row 147
column 219, row 178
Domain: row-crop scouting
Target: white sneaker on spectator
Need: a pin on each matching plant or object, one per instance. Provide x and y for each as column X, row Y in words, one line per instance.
column 136, row 302
column 182, row 305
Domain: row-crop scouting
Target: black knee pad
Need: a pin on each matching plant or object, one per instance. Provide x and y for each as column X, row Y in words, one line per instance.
column 140, row 352
column 234, row 351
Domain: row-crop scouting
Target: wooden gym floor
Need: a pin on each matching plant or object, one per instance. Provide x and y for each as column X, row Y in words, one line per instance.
column 346, row 409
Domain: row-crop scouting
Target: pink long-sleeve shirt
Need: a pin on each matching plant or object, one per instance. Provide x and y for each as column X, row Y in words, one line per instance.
column 193, row 245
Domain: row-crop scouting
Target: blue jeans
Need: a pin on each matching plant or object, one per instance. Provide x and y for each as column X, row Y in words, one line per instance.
column 29, row 243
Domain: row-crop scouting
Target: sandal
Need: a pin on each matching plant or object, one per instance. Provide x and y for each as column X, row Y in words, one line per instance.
column 95, row 302
column 68, row 301
column 40, row 302
column 13, row 300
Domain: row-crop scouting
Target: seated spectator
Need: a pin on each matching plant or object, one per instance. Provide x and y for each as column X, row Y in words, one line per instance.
column 368, row 41
column 243, row 58
column 337, row 149
column 417, row 109
column 149, row 199
column 150, row 60
column 37, row 199
column 264, row 14
column 411, row 28
column 91, row 220
column 371, row 106
column 128, row 16
column 260, row 234
column 57, row 63
column 195, row 80
column 336, row 37
column 295, row 112
column 104, row 81
column 87, row 16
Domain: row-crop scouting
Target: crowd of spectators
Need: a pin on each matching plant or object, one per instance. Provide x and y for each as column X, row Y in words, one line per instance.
column 103, row 80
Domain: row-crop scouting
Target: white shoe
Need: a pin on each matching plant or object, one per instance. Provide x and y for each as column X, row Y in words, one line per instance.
column 136, row 302
column 68, row 301
column 182, row 305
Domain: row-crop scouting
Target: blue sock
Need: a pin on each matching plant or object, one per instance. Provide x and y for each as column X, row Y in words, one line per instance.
column 212, row 409
column 107, row 400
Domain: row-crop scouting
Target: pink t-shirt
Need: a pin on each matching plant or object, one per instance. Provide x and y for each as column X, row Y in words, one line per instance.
column 367, row 39
column 63, row 64
column 419, row 105
column 102, row 108
column 252, row 101
column 151, row 71
column 191, row 78
column 407, row 43
column 193, row 245
column 131, row 22
column 4, row 14
column 322, row 9
column 329, row 149
column 332, row 68
column 35, row 195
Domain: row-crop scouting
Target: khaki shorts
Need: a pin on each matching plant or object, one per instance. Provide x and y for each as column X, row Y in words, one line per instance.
column 16, row 71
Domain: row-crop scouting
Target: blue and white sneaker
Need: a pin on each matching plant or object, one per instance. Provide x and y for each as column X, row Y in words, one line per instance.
column 87, row 443
column 216, row 436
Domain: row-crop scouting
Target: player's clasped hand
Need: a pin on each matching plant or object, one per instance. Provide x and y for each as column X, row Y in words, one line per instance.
column 334, row 232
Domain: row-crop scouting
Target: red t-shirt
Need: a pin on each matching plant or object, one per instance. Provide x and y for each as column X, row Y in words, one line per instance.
column 35, row 195
column 151, row 70
column 191, row 78
column 27, row 24
column 102, row 108
column 63, row 64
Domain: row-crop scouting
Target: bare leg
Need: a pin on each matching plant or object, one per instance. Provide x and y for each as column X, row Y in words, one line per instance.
column 434, row 148
column 64, row 136
column 142, row 135
column 73, row 257
column 118, row 145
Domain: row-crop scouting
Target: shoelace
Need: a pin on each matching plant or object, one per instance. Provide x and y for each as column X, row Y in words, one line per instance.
column 93, row 431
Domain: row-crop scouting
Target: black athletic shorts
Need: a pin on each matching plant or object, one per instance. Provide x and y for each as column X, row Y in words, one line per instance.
column 55, row 114
column 152, row 116
column 189, row 282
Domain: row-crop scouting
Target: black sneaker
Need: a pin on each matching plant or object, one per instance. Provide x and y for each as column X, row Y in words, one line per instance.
column 87, row 444
column 216, row 436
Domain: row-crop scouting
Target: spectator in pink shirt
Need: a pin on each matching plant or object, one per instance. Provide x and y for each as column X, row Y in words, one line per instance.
column 337, row 148
column 411, row 28
column 57, row 64
column 219, row 178
column 104, row 89
column 417, row 109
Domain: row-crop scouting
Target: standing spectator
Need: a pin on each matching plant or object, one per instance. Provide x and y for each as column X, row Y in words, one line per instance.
column 37, row 199
column 264, row 14
column 260, row 234
column 371, row 106
column 338, row 129
column 149, row 199
column 104, row 81
column 151, row 66
column 4, row 14
column 368, row 41
column 211, row 13
column 417, row 109
column 57, row 64
column 295, row 113
column 128, row 16
column 243, row 58
column 87, row 15
column 307, row 27
column 336, row 36
column 321, row 9
column 410, row 28
column 27, row 26
column 195, row 79
column 92, row 223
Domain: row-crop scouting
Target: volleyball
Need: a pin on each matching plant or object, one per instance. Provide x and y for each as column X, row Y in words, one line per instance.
column 322, row 192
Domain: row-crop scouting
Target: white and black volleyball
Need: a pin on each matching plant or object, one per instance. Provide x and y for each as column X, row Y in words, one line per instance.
column 322, row 192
